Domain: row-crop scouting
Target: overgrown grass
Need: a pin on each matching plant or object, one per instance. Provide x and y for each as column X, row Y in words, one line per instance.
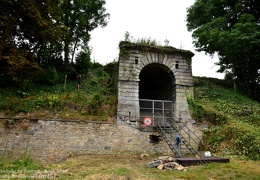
column 233, row 132
column 95, row 101
column 129, row 167
column 13, row 167
column 234, row 120
column 20, row 165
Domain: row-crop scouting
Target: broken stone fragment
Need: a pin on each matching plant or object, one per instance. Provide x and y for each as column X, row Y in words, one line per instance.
column 160, row 167
column 163, row 158
column 166, row 167
column 154, row 164
column 166, row 159
column 179, row 168
column 166, row 163
column 172, row 164
column 171, row 159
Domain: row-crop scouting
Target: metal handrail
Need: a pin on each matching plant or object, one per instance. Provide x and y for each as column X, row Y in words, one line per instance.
column 170, row 141
column 169, row 126
column 179, row 121
column 182, row 137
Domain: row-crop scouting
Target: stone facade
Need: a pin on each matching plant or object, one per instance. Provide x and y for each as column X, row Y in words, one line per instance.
column 56, row 140
column 174, row 62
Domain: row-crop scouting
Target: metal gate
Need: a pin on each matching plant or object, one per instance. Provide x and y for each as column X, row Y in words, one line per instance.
column 156, row 110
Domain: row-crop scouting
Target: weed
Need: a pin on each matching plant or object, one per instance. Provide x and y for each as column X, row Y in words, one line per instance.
column 127, row 167
column 94, row 99
column 234, row 119
column 9, row 123
column 23, row 163
column 197, row 111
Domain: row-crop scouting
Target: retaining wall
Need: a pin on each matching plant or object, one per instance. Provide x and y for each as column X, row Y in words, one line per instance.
column 55, row 140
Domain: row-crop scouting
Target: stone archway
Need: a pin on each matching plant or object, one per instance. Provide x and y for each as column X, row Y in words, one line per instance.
column 155, row 82
column 156, row 92
column 140, row 62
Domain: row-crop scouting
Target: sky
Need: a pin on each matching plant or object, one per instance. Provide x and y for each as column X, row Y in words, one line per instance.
column 155, row 19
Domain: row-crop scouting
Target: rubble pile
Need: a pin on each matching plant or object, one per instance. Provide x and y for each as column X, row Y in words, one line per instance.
column 166, row 163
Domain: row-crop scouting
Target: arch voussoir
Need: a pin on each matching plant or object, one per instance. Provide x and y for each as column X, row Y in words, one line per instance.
column 174, row 62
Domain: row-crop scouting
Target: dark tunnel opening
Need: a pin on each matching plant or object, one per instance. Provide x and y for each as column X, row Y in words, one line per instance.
column 155, row 83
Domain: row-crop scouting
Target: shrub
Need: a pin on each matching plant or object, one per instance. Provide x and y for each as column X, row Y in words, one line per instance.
column 49, row 77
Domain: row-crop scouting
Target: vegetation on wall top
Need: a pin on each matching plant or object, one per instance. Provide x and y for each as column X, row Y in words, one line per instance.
column 143, row 46
column 151, row 45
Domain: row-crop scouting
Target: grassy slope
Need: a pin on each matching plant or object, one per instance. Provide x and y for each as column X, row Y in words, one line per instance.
column 233, row 122
column 233, row 119
column 95, row 101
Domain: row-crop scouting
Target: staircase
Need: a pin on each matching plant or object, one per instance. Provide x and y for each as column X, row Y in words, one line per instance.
column 189, row 139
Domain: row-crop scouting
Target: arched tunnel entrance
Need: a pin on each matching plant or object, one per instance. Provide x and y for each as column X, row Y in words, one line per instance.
column 155, row 83
column 156, row 93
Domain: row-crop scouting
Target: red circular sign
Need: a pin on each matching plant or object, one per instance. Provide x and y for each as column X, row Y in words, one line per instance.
column 147, row 121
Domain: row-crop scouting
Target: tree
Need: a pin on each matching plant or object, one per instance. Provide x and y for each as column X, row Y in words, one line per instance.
column 83, row 61
column 24, row 27
column 80, row 17
column 37, row 34
column 232, row 30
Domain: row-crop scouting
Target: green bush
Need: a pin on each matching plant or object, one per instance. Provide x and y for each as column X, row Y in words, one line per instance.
column 49, row 77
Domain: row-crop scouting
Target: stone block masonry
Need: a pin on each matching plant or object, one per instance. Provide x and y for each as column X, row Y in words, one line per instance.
column 56, row 140
column 153, row 72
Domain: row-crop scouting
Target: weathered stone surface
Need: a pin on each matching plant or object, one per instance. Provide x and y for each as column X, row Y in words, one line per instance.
column 170, row 166
column 154, row 164
column 160, row 167
column 55, row 140
column 164, row 163
column 164, row 158
column 177, row 63
column 179, row 168
column 171, row 159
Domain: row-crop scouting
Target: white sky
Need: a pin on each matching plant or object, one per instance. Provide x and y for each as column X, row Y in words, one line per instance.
column 155, row 19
